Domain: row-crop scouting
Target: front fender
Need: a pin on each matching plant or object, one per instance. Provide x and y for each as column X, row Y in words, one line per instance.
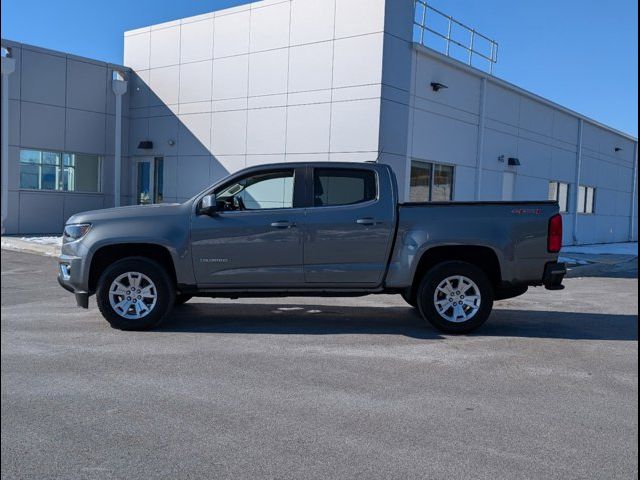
column 167, row 233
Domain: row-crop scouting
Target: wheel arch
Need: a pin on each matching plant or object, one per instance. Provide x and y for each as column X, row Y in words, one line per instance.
column 108, row 254
column 481, row 256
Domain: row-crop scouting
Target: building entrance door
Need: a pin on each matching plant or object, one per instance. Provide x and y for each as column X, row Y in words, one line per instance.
column 149, row 180
column 508, row 186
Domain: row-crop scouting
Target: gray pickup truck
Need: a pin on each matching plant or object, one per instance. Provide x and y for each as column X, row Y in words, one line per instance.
column 311, row 229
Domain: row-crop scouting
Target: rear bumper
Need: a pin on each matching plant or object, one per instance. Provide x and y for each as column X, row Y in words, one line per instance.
column 554, row 273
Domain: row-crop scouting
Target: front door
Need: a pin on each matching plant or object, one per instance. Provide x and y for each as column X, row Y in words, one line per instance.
column 349, row 228
column 149, row 180
column 255, row 238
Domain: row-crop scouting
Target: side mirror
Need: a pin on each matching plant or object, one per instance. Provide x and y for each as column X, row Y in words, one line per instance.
column 208, row 205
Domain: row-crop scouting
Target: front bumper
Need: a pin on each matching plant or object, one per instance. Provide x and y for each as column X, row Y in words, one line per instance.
column 70, row 278
column 554, row 273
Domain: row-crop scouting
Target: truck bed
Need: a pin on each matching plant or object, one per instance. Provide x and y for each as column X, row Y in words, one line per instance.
column 515, row 232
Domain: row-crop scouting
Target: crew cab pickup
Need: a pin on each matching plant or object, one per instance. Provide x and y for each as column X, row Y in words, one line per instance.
column 311, row 229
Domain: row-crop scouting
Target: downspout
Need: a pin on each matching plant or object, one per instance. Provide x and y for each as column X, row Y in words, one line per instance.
column 8, row 67
column 119, row 87
column 480, row 146
column 577, row 183
column 634, row 192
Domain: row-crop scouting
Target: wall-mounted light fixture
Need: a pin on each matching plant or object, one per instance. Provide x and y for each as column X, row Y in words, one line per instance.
column 145, row 145
column 511, row 161
column 171, row 142
column 618, row 149
column 436, row 87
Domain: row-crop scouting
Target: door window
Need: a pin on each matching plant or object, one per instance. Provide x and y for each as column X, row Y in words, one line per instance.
column 158, row 179
column 150, row 177
column 260, row 191
column 336, row 186
column 144, row 183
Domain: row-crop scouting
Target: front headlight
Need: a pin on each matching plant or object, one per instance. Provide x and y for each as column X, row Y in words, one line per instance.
column 76, row 231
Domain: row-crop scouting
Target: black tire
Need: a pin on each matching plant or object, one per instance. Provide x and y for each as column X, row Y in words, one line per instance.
column 440, row 273
column 181, row 299
column 165, row 293
column 410, row 299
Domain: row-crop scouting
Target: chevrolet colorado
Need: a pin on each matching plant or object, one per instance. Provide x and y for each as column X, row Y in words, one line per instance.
column 311, row 229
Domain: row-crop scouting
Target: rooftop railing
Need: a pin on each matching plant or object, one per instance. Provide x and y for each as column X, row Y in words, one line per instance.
column 439, row 31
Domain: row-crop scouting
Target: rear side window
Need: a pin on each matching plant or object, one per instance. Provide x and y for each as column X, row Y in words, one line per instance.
column 337, row 186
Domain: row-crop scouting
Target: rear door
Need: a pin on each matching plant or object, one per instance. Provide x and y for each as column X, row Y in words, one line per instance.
column 349, row 225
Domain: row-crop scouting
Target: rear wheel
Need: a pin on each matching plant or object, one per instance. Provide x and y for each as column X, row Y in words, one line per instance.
column 455, row 297
column 134, row 294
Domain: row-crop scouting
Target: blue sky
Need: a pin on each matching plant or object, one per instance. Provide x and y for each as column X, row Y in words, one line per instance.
column 580, row 53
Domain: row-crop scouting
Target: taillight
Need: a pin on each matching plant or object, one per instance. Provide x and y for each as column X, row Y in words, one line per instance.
column 554, row 240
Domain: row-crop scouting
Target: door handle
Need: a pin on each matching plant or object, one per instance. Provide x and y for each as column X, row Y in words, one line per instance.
column 366, row 221
column 283, row 224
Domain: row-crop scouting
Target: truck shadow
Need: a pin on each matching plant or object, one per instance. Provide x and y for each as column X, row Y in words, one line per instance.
column 622, row 269
column 274, row 319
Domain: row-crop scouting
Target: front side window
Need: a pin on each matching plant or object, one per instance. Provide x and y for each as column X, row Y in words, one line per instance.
column 68, row 172
column 260, row 191
column 559, row 192
column 431, row 182
column 338, row 186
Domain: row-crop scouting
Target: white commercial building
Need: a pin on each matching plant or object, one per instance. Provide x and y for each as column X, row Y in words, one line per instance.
column 304, row 80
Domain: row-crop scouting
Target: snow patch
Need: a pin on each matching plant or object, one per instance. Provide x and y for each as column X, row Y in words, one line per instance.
column 43, row 240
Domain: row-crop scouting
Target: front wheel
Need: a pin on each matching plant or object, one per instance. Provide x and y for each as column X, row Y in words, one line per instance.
column 134, row 294
column 455, row 297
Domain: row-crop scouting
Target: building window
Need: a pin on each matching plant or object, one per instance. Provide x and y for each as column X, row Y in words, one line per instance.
column 67, row 172
column 431, row 182
column 559, row 192
column 586, row 199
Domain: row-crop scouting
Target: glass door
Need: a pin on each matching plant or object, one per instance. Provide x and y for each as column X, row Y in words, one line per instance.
column 149, row 180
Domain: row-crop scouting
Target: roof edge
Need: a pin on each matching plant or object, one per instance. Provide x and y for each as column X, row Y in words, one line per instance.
column 510, row 86
column 72, row 56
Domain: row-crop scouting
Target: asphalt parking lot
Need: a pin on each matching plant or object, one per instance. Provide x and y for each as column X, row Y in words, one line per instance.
column 320, row 388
